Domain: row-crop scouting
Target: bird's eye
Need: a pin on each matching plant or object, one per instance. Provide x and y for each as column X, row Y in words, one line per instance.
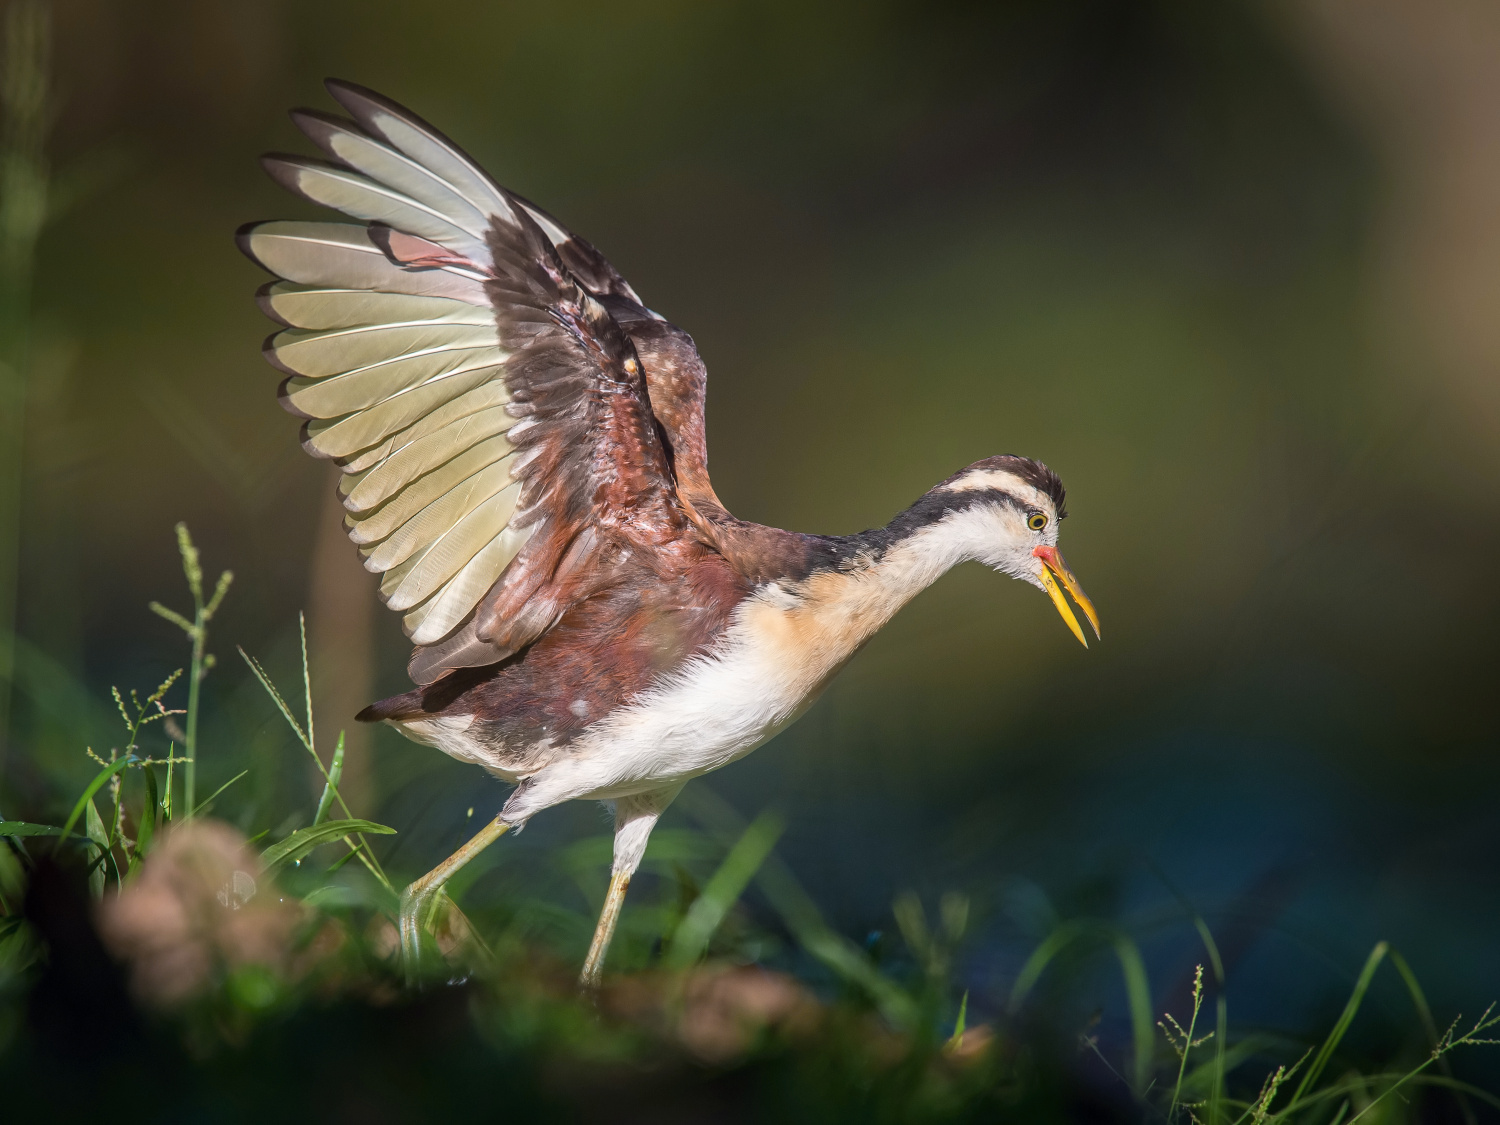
column 1036, row 521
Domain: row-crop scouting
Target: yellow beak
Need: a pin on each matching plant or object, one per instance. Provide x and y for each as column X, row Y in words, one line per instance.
column 1053, row 564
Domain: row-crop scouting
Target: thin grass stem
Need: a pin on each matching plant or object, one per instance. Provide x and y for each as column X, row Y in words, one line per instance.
column 367, row 857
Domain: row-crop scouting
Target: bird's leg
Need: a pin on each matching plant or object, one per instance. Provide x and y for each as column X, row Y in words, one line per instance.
column 635, row 817
column 418, row 900
column 604, row 932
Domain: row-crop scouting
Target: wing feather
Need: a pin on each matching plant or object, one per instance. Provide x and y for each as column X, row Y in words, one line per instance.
column 344, row 437
column 310, row 306
column 486, row 396
column 436, row 618
column 371, row 528
column 343, row 141
column 353, row 391
column 343, row 255
column 408, row 134
column 460, row 359
column 319, row 354
column 346, row 190
column 422, row 455
column 467, row 526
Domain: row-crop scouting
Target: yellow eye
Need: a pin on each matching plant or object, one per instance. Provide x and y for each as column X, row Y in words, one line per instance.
column 1037, row 521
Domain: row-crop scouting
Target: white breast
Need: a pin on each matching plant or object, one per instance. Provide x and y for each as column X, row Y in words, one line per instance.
column 777, row 655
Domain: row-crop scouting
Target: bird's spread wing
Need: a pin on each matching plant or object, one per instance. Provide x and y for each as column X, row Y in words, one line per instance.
column 455, row 357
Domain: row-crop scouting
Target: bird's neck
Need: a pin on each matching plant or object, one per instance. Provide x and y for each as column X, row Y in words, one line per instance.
column 862, row 581
column 852, row 583
column 913, row 551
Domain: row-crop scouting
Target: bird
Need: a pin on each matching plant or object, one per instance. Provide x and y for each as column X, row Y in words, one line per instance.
column 523, row 459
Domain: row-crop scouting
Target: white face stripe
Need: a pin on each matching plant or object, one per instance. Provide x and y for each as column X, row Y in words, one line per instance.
column 1005, row 482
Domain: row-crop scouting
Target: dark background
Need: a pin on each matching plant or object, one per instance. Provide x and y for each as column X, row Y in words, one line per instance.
column 1233, row 270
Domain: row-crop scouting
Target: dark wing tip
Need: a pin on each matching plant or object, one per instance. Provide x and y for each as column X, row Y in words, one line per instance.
column 282, row 167
column 358, row 102
column 263, row 299
column 268, row 350
column 338, row 88
column 242, row 240
column 304, row 433
column 316, row 125
column 284, row 400
column 279, row 164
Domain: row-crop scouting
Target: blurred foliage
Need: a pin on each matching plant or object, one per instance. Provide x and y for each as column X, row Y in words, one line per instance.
column 1134, row 238
column 209, row 957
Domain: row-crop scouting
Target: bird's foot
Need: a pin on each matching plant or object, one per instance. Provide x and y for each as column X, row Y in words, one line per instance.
column 415, row 911
column 419, row 902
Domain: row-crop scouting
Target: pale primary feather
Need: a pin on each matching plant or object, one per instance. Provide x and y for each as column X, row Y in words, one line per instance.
column 332, row 396
column 353, row 194
column 427, row 489
column 354, row 433
column 487, row 396
column 425, row 528
column 425, row 145
column 318, row 353
column 444, row 611
column 475, row 516
column 341, row 255
column 384, row 164
column 421, row 455
column 308, row 306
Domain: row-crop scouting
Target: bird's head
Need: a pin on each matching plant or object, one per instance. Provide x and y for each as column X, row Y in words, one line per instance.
column 1008, row 518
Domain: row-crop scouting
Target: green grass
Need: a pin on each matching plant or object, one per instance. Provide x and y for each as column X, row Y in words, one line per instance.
column 857, row 1037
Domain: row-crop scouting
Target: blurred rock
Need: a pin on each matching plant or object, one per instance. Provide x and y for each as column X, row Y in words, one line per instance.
column 201, row 906
column 974, row 1044
column 718, row 1013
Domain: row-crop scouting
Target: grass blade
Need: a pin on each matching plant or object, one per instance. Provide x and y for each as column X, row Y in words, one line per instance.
column 281, row 704
column 331, row 786
column 210, row 798
column 1212, row 946
column 802, row 917
column 956, row 1040
column 835, row 951
column 1429, row 1025
column 1138, row 996
column 23, row 828
column 145, row 831
column 1221, row 1037
column 723, row 890
column 304, row 840
column 94, row 786
column 94, row 825
column 312, row 740
column 1053, row 944
column 367, row 857
column 1325, row 1052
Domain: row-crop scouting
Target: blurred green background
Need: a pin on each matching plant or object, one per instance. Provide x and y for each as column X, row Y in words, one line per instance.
column 1233, row 270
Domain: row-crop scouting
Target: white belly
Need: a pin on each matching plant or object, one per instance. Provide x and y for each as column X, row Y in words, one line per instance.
column 771, row 664
column 779, row 652
column 717, row 710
